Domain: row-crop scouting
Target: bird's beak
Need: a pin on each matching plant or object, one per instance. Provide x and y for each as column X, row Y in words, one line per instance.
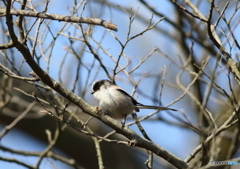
column 92, row 92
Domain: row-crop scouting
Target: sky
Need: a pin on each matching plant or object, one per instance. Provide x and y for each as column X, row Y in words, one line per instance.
column 165, row 135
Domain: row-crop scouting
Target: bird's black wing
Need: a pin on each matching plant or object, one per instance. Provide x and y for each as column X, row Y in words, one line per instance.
column 133, row 100
column 125, row 93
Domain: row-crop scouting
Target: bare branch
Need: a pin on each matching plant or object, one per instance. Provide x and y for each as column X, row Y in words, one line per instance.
column 74, row 19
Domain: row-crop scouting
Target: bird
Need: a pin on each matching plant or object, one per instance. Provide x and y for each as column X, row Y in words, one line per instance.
column 117, row 103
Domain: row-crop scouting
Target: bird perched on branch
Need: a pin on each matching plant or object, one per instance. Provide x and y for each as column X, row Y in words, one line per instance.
column 116, row 102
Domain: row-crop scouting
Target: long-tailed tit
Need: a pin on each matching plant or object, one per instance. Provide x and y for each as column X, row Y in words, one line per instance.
column 116, row 102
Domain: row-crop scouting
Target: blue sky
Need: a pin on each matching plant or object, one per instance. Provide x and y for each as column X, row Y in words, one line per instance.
column 168, row 136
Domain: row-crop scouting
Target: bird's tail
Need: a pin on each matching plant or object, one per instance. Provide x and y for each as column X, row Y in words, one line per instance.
column 153, row 107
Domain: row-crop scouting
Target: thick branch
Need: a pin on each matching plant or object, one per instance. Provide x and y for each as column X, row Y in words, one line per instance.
column 75, row 19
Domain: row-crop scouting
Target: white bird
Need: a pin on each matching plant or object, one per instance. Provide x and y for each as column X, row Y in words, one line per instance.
column 116, row 102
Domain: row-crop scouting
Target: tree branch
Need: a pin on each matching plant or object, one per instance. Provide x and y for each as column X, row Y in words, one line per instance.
column 75, row 19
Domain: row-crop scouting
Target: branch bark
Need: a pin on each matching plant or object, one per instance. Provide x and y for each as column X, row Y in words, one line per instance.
column 75, row 19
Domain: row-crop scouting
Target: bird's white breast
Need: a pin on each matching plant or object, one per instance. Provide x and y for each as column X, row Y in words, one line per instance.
column 114, row 102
